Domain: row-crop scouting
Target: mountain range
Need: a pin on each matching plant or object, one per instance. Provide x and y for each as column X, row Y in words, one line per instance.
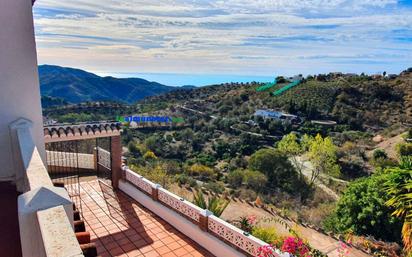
column 75, row 86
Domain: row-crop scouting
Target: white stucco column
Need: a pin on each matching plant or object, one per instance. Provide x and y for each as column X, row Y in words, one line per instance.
column 19, row 85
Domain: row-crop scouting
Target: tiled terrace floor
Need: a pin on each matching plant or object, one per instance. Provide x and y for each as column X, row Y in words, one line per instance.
column 122, row 227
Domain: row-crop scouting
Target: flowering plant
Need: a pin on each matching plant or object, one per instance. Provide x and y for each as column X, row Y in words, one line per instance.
column 247, row 223
column 270, row 251
column 295, row 246
column 343, row 249
column 266, row 251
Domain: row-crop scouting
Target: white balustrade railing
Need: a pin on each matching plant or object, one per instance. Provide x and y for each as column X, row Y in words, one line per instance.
column 73, row 160
column 104, row 158
column 140, row 181
column 179, row 204
column 234, row 235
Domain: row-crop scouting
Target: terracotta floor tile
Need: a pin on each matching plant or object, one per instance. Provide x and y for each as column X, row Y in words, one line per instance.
column 111, row 245
column 157, row 244
column 173, row 246
column 180, row 252
column 169, row 254
column 119, row 236
column 140, row 243
column 123, row 241
column 105, row 254
column 189, row 248
column 128, row 247
column 167, row 240
column 151, row 254
column 163, row 249
column 135, row 237
column 122, row 226
column 134, row 253
column 116, row 251
column 146, row 248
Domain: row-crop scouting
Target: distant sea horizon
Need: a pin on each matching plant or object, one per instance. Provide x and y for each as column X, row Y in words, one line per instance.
column 198, row 80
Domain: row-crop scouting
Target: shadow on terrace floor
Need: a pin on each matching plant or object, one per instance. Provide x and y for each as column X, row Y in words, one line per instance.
column 121, row 227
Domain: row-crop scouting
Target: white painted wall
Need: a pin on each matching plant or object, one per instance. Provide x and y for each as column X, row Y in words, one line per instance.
column 19, row 86
column 211, row 243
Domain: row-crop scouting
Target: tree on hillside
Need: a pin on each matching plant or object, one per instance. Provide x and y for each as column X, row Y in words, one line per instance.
column 133, row 149
column 305, row 142
column 277, row 168
column 323, row 155
column 290, row 146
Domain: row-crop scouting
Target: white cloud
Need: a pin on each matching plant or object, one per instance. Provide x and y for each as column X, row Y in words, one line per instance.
column 236, row 36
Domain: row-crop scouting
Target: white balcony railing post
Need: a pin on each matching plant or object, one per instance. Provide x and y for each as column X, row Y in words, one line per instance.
column 203, row 219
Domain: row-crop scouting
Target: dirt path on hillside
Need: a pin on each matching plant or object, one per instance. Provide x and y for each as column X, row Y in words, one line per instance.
column 307, row 169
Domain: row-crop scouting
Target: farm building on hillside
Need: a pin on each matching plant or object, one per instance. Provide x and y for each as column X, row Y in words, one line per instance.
column 269, row 114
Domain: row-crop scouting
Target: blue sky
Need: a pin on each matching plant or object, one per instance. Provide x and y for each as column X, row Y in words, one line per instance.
column 198, row 42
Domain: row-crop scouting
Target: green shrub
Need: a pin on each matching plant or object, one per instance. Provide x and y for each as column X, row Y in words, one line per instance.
column 266, row 234
column 192, row 182
column 379, row 154
column 361, row 210
column 216, row 187
column 255, row 179
column 235, row 178
column 404, row 149
column 247, row 194
column 205, row 159
column 405, row 162
column 133, row 149
column 202, row 171
column 409, row 134
column 182, row 179
column 213, row 204
column 172, row 167
column 149, row 155
column 154, row 173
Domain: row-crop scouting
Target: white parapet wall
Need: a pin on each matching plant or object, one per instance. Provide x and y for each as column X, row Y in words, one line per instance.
column 208, row 241
column 45, row 212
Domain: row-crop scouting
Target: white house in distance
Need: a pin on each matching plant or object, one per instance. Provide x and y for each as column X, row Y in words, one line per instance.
column 275, row 115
